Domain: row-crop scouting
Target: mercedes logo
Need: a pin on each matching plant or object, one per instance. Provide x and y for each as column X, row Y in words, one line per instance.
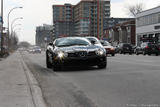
column 82, row 54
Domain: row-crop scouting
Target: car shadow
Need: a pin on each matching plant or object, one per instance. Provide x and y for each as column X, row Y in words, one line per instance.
column 78, row 69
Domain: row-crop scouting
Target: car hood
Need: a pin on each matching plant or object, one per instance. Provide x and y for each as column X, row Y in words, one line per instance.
column 78, row 48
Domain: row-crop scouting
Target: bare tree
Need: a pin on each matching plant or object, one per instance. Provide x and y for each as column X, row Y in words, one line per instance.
column 133, row 10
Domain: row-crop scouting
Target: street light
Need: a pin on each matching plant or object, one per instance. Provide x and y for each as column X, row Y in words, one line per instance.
column 15, row 26
column 2, row 27
column 10, row 13
column 12, row 27
column 15, row 21
column 17, row 29
column 9, row 21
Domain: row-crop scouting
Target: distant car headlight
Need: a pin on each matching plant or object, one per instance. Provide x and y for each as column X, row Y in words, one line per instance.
column 61, row 55
column 100, row 52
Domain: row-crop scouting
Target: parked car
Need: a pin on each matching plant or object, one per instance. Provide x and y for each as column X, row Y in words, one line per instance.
column 35, row 49
column 158, row 47
column 125, row 48
column 116, row 49
column 109, row 49
column 138, row 50
column 74, row 51
column 149, row 48
column 94, row 41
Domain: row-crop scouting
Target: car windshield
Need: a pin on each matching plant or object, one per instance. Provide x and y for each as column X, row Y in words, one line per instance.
column 71, row 42
column 105, row 43
column 93, row 39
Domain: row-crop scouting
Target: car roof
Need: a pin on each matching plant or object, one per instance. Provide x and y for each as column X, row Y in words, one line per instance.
column 72, row 37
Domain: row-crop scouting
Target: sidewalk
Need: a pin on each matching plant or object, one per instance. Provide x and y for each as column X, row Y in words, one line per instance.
column 14, row 88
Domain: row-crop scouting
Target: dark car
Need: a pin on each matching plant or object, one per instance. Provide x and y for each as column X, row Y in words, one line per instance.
column 138, row 50
column 109, row 49
column 125, row 48
column 74, row 51
column 158, row 48
column 148, row 48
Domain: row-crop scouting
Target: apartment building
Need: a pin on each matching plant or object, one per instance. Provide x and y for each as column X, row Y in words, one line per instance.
column 43, row 35
column 83, row 19
column 63, row 20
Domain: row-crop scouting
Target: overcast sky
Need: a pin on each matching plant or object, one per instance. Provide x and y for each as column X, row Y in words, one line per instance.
column 39, row 12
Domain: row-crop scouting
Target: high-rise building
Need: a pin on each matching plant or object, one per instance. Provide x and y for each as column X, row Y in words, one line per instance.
column 43, row 34
column 84, row 19
column 63, row 20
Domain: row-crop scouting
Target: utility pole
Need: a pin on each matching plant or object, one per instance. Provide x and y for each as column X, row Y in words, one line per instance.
column 2, row 28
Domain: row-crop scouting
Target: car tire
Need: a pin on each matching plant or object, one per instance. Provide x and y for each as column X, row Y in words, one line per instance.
column 130, row 53
column 137, row 53
column 102, row 66
column 113, row 54
column 157, row 54
column 49, row 65
column 144, row 53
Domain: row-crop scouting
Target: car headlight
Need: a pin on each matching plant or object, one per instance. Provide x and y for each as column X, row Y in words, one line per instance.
column 100, row 52
column 61, row 54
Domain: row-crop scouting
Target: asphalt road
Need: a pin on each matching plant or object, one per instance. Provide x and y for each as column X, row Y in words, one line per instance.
column 128, row 81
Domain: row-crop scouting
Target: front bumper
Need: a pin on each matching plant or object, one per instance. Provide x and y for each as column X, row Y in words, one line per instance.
column 80, row 61
column 128, row 50
column 110, row 51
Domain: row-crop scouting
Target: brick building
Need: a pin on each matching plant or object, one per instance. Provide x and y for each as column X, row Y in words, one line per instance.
column 121, row 33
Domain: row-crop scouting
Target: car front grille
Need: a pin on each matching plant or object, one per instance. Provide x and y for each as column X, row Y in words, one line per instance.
column 82, row 54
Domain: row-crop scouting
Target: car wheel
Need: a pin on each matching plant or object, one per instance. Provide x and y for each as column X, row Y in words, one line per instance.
column 130, row 53
column 144, row 53
column 120, row 52
column 49, row 65
column 102, row 66
column 56, row 68
column 137, row 53
column 157, row 54
column 149, row 54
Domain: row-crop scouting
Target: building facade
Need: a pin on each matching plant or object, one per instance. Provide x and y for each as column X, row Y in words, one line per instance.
column 148, row 26
column 110, row 22
column 121, row 33
column 63, row 20
column 84, row 19
column 43, row 35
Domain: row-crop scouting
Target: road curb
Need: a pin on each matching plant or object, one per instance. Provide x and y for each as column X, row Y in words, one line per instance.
column 35, row 90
